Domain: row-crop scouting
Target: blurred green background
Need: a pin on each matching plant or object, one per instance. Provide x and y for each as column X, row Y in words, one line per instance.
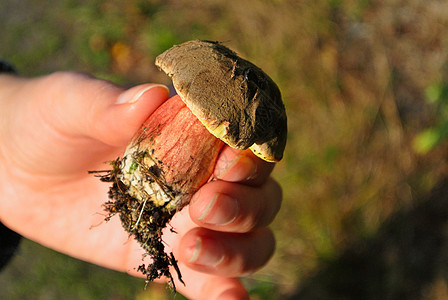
column 366, row 90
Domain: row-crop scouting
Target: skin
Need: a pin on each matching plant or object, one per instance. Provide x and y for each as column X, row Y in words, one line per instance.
column 53, row 129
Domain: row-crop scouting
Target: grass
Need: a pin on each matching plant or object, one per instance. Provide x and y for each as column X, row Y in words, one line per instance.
column 364, row 83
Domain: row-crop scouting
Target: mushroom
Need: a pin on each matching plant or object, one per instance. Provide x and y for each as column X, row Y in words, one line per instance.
column 222, row 98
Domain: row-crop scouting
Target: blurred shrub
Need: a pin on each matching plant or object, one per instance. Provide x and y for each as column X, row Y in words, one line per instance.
column 437, row 97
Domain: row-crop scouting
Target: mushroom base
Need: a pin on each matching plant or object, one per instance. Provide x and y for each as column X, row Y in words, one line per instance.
column 168, row 160
column 145, row 223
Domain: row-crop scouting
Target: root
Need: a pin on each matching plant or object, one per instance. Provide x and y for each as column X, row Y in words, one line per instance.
column 145, row 222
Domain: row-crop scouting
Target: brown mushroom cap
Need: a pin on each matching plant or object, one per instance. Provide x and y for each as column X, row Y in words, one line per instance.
column 234, row 99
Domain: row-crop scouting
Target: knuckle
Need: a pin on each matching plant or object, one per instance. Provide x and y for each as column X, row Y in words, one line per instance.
column 269, row 204
column 277, row 198
column 65, row 76
column 254, row 260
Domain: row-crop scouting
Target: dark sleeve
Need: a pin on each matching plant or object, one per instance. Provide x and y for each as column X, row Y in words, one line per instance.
column 9, row 240
column 6, row 67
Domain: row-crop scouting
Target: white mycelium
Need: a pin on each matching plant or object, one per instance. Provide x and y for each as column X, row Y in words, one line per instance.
column 142, row 185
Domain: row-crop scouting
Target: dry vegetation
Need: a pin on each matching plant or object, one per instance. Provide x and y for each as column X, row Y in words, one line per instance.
column 365, row 86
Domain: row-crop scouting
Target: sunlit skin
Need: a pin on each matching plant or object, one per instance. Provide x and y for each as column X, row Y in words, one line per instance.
column 54, row 129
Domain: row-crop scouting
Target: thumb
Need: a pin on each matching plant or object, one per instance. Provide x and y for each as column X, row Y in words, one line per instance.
column 119, row 117
column 84, row 106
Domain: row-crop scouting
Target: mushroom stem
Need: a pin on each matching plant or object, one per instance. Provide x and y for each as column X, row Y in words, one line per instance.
column 173, row 149
column 167, row 161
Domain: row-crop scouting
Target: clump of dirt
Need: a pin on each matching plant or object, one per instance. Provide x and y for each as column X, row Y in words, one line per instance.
column 145, row 222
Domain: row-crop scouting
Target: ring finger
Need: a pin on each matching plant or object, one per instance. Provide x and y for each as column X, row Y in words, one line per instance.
column 226, row 254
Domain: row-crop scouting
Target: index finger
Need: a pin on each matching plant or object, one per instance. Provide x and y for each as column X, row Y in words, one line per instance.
column 235, row 165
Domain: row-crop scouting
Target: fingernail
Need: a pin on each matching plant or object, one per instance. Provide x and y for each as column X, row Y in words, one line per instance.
column 220, row 210
column 239, row 169
column 206, row 252
column 134, row 94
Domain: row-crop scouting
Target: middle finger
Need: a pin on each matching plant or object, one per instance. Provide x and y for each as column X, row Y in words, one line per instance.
column 232, row 207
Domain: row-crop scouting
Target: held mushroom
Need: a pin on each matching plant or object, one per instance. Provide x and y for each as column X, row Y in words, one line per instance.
column 222, row 98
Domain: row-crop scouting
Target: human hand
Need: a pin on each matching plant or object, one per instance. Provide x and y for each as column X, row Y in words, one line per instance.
column 55, row 128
